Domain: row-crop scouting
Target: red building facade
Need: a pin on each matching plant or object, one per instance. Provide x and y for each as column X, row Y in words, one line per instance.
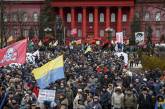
column 151, row 13
column 21, row 17
column 92, row 17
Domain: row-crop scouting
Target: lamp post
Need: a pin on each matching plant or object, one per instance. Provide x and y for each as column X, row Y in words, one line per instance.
column 59, row 30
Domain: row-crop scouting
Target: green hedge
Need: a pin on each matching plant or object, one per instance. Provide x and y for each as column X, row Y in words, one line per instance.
column 153, row 62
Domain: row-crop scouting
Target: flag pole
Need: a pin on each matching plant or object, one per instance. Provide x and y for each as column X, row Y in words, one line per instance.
column 64, row 35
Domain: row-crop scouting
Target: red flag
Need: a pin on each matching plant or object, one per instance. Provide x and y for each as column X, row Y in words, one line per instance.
column 14, row 53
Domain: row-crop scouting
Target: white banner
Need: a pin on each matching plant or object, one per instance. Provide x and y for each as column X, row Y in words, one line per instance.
column 139, row 38
column 46, row 95
column 30, row 58
column 125, row 56
column 119, row 37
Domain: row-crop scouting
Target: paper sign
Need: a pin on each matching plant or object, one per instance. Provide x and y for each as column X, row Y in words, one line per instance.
column 46, row 95
column 139, row 38
column 119, row 37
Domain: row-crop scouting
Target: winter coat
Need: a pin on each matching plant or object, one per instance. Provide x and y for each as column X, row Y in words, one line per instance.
column 75, row 102
column 130, row 101
column 117, row 100
column 65, row 102
column 80, row 107
column 145, row 103
column 104, row 98
column 88, row 105
column 96, row 105
column 69, row 95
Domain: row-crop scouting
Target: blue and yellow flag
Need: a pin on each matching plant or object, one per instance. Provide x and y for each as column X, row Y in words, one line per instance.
column 50, row 72
column 160, row 105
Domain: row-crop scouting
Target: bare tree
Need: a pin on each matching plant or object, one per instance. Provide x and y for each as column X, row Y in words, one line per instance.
column 20, row 21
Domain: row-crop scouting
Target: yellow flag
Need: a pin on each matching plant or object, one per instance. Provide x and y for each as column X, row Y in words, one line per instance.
column 10, row 39
column 88, row 49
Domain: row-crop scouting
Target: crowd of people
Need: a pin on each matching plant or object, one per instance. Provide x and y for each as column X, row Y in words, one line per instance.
column 94, row 80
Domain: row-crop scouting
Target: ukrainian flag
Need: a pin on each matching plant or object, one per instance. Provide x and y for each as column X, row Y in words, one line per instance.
column 50, row 72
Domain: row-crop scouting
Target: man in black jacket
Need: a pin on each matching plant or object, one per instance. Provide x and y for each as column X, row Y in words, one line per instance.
column 144, row 99
column 104, row 98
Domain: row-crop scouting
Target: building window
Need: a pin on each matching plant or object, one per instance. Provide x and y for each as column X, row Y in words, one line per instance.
column 101, row 17
column 124, row 19
column 137, row 14
column 158, row 32
column 68, row 32
column 25, row 17
column 14, row 32
column 35, row 17
column 101, row 33
column 79, row 17
column 147, row 17
column 5, row 17
column 124, row 31
column 79, row 33
column 36, row 32
column 157, row 17
column 90, row 17
column 113, row 32
column 14, row 17
column 113, row 17
column 68, row 19
column 25, row 33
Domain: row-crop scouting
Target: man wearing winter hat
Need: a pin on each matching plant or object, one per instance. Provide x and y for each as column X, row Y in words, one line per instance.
column 78, row 97
column 117, row 98
column 144, row 99
column 96, row 104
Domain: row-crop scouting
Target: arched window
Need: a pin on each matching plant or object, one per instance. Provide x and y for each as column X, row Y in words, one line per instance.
column 124, row 31
column 68, row 19
column 25, row 17
column 124, row 19
column 90, row 17
column 114, row 32
column 35, row 17
column 79, row 33
column 5, row 17
column 25, row 32
column 157, row 17
column 147, row 16
column 101, row 17
column 102, row 33
column 68, row 32
column 79, row 17
column 113, row 17
column 137, row 14
column 14, row 17
column 158, row 32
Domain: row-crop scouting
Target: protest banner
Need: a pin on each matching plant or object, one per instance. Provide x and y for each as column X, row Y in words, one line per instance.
column 46, row 95
column 119, row 37
column 139, row 38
